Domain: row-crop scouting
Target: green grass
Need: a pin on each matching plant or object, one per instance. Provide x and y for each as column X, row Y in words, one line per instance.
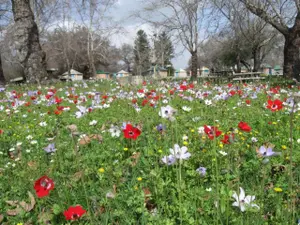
column 177, row 193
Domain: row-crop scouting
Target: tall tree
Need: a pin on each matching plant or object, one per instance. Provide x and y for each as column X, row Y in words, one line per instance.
column 248, row 30
column 285, row 17
column 141, row 52
column 95, row 17
column 163, row 49
column 27, row 43
column 184, row 18
column 5, row 19
column 2, row 78
column 126, row 53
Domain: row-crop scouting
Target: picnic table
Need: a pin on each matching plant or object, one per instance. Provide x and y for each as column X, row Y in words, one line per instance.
column 247, row 76
column 218, row 75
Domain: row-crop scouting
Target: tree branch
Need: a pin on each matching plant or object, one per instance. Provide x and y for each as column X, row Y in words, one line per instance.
column 282, row 28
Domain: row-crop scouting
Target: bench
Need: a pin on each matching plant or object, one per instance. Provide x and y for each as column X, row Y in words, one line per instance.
column 247, row 76
column 17, row 80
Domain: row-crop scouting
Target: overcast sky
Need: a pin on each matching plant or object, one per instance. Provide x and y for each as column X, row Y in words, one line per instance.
column 122, row 13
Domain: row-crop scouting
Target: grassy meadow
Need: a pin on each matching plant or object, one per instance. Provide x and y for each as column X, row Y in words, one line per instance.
column 155, row 154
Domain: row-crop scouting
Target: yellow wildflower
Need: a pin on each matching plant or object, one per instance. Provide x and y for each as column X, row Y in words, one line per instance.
column 284, row 147
column 101, row 170
column 139, row 179
column 125, row 149
column 185, row 143
column 192, row 130
column 221, row 145
column 277, row 189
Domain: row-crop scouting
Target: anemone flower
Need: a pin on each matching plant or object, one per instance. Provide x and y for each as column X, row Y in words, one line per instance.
column 266, row 151
column 180, row 152
column 74, row 212
column 169, row 160
column 167, row 112
column 242, row 201
column 50, row 148
column 202, row 171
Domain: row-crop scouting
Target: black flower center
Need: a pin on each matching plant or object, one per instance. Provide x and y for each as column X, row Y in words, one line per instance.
column 75, row 216
column 131, row 133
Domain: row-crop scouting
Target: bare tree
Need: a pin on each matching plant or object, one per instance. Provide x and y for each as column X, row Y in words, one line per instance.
column 126, row 52
column 27, row 43
column 2, row 78
column 285, row 17
column 45, row 12
column 5, row 11
column 184, row 18
column 95, row 18
column 248, row 29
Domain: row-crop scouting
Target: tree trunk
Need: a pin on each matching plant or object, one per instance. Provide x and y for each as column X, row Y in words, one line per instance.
column 291, row 67
column 2, row 78
column 26, row 37
column 128, row 67
column 256, row 59
column 238, row 63
column 194, row 68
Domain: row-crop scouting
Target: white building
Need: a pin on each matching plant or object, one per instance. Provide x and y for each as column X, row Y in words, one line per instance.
column 74, row 75
column 181, row 73
column 122, row 73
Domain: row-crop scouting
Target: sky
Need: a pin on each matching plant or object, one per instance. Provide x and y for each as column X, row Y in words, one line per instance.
column 122, row 12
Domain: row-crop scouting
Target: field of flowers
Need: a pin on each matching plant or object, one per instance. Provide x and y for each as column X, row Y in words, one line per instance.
column 160, row 154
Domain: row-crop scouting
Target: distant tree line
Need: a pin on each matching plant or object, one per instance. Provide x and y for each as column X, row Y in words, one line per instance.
column 216, row 33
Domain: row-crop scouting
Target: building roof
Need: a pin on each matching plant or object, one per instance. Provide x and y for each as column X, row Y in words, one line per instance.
column 180, row 70
column 122, row 71
column 72, row 72
column 204, row 68
column 102, row 72
column 266, row 66
column 277, row 67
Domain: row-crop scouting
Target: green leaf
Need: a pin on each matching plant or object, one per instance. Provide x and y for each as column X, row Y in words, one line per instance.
column 56, row 209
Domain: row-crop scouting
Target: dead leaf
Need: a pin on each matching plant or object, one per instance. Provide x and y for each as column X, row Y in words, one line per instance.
column 103, row 127
column 87, row 139
column 97, row 137
column 149, row 203
column 113, row 193
column 28, row 207
column 15, row 154
column 147, row 192
column 19, row 207
column 140, row 126
column 29, row 222
column 32, row 164
column 136, row 156
column 78, row 175
column 45, row 217
column 1, row 218
column 72, row 128
column 84, row 140
column 14, row 212
column 12, row 203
